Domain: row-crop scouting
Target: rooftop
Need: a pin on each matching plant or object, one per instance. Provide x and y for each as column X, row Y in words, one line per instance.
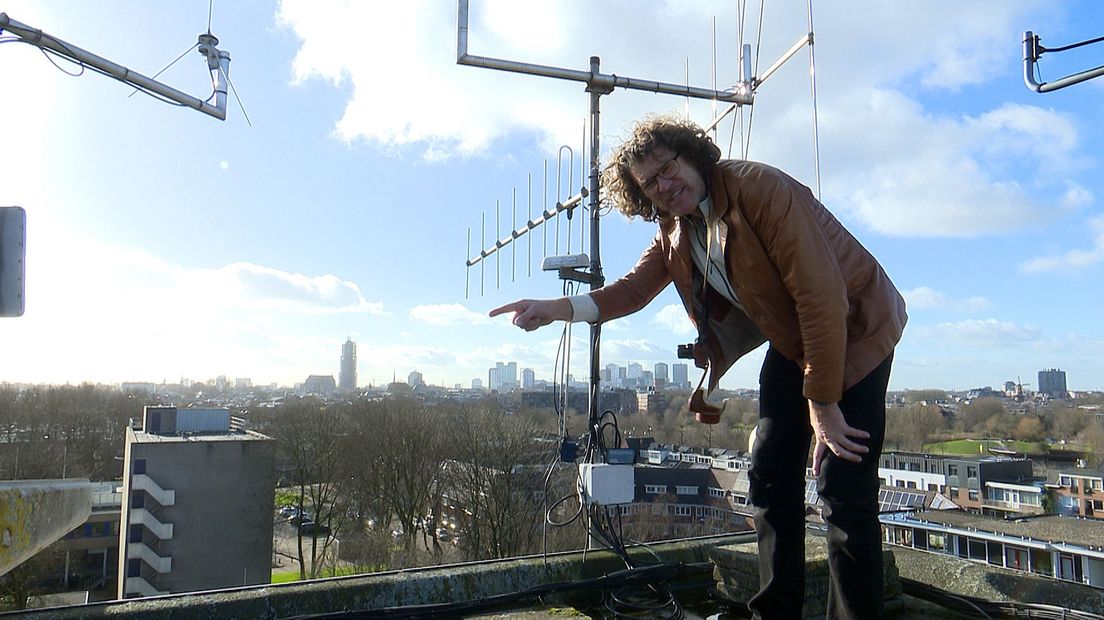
column 1049, row 528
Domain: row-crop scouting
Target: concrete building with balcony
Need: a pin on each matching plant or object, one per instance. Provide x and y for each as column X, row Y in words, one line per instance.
column 1079, row 491
column 197, row 504
column 989, row 485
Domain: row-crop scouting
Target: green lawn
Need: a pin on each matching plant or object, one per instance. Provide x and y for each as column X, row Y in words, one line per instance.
column 290, row 576
column 969, row 447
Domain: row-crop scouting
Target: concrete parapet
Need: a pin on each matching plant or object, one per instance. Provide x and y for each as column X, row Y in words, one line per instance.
column 36, row 513
column 992, row 583
column 737, row 574
column 422, row 586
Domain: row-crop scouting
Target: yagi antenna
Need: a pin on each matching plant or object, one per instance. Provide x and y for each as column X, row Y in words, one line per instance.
column 597, row 84
column 218, row 63
column 1033, row 50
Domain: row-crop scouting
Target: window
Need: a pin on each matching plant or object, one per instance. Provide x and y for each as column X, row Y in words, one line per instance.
column 139, row 466
column 971, row 471
column 973, row 495
column 952, row 470
column 655, row 488
column 715, row 492
column 134, row 568
column 977, row 549
column 135, row 534
column 1015, row 557
column 682, row 511
column 138, row 499
column 685, row 490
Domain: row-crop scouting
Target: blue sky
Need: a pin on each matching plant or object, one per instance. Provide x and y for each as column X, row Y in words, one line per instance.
column 165, row 244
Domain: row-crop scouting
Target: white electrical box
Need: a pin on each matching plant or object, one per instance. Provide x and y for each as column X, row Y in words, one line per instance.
column 606, row 484
column 567, row 261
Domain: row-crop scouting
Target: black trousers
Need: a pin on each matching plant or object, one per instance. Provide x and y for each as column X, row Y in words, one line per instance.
column 849, row 492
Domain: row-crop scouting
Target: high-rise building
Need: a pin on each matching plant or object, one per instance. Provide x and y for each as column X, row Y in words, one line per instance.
column 197, row 504
column 347, row 378
column 503, row 376
column 661, row 371
column 680, row 376
column 414, row 379
column 635, row 370
column 1052, row 382
column 528, row 378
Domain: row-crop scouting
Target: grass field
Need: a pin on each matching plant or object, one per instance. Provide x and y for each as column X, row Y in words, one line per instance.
column 970, row 447
column 293, row 575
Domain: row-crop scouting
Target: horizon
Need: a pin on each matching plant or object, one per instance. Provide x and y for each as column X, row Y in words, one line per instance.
column 163, row 243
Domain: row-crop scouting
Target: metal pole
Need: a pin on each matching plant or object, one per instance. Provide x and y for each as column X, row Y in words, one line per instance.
column 121, row 73
column 597, row 279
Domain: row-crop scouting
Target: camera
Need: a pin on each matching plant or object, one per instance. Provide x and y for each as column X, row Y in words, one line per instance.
column 686, row 351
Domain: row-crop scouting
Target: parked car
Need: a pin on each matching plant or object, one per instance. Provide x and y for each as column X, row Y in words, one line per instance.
column 288, row 511
column 315, row 530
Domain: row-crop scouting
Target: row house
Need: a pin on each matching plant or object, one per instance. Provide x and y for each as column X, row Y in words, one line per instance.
column 1054, row 546
column 988, row 485
column 1078, row 491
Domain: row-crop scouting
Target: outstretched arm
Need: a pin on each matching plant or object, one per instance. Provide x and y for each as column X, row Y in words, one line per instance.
column 529, row 314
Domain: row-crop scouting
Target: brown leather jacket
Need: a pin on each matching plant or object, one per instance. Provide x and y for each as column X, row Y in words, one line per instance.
column 806, row 284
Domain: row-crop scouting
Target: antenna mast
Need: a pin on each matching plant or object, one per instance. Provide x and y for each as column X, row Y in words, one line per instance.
column 218, row 62
column 597, row 84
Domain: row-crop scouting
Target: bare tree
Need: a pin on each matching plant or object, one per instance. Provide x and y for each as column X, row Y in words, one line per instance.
column 496, row 477
column 976, row 415
column 413, row 450
column 309, row 436
column 911, row 426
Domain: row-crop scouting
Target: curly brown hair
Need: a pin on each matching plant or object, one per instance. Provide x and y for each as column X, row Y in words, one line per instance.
column 670, row 131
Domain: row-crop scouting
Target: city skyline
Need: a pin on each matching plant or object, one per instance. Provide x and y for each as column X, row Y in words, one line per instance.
column 162, row 243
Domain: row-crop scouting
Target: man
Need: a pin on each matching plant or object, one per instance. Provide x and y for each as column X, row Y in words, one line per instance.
column 754, row 256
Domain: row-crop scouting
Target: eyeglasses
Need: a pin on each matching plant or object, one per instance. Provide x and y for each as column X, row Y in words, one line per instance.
column 667, row 171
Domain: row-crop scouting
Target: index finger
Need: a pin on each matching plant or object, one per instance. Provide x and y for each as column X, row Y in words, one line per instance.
column 517, row 306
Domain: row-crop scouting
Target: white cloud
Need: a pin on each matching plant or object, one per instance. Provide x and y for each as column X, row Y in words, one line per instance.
column 406, row 88
column 900, row 169
column 913, row 174
column 1073, row 259
column 634, row 349
column 926, row 298
column 983, row 332
column 673, row 317
column 138, row 317
column 265, row 287
column 448, row 315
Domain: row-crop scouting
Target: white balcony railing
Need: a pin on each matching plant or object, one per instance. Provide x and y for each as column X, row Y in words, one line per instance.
column 141, row 552
column 137, row 585
column 143, row 482
column 141, row 516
